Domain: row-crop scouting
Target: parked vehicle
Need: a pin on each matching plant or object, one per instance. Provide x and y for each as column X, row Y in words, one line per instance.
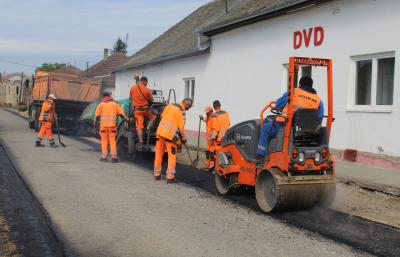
column 73, row 95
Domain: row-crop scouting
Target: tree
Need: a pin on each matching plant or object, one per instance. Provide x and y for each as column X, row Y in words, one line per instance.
column 120, row 47
column 51, row 66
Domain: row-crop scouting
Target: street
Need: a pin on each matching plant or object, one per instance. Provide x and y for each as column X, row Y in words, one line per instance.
column 105, row 209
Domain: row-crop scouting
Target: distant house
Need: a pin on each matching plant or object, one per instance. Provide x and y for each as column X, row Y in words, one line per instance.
column 239, row 52
column 12, row 90
column 103, row 70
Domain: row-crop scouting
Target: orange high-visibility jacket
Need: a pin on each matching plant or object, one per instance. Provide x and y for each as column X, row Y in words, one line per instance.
column 172, row 122
column 302, row 100
column 221, row 123
column 209, row 122
column 47, row 112
column 108, row 112
column 140, row 98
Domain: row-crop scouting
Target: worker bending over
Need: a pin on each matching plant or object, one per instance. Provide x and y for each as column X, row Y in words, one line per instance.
column 170, row 134
column 210, row 147
column 47, row 116
column 141, row 98
column 305, row 97
column 108, row 111
column 220, row 124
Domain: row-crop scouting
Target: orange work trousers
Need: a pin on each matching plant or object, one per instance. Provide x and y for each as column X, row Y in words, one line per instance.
column 108, row 136
column 45, row 129
column 210, row 155
column 140, row 116
column 172, row 149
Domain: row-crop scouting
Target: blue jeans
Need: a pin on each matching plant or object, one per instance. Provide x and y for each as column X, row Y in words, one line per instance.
column 269, row 130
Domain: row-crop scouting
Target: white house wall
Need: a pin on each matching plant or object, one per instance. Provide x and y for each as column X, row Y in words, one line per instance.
column 245, row 68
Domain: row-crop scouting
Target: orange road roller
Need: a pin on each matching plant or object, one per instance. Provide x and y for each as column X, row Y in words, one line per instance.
column 298, row 171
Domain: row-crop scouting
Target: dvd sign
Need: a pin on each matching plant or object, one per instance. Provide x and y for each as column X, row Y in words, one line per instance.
column 309, row 36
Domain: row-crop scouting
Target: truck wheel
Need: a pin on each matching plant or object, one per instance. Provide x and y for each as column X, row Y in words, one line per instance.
column 36, row 121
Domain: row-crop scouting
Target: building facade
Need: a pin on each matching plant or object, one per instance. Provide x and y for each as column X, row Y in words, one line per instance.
column 246, row 67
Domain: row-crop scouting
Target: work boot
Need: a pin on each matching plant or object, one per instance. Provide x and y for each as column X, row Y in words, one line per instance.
column 171, row 181
column 53, row 145
column 103, row 159
column 39, row 144
column 157, row 177
column 114, row 160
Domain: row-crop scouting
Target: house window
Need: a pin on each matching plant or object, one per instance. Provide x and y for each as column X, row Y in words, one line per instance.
column 298, row 74
column 189, row 88
column 374, row 81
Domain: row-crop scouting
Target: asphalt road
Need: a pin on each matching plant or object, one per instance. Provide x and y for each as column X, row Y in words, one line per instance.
column 104, row 209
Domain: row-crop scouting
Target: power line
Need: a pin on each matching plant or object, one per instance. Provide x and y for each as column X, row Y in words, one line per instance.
column 17, row 63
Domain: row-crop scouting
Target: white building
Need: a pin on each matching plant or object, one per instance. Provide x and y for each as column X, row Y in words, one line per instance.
column 240, row 57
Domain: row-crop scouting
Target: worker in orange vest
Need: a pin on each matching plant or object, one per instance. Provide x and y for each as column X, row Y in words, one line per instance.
column 220, row 124
column 170, row 134
column 47, row 116
column 141, row 98
column 208, row 119
column 305, row 97
column 108, row 111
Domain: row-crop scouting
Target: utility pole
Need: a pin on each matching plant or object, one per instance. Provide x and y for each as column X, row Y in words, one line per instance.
column 87, row 69
column 226, row 6
column 20, row 89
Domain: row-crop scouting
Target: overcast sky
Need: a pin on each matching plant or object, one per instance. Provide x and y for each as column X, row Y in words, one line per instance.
column 76, row 31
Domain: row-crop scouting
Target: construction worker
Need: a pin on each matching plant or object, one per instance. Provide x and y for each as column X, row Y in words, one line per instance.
column 141, row 98
column 220, row 124
column 47, row 116
column 108, row 111
column 210, row 147
column 304, row 97
column 170, row 134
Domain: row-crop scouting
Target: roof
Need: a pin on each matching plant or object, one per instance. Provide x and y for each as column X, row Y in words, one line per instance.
column 252, row 11
column 103, row 68
column 182, row 40
column 190, row 36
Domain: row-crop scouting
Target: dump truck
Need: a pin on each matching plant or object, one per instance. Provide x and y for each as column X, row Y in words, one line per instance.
column 298, row 171
column 73, row 95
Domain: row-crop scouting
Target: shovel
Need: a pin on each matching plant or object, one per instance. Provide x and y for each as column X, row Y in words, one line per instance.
column 196, row 161
column 58, row 133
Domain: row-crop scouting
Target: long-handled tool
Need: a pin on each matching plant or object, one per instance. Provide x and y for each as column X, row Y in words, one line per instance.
column 195, row 162
column 58, row 133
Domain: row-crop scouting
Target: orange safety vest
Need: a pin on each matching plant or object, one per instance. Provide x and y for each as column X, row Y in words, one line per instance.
column 172, row 122
column 140, row 96
column 221, row 124
column 47, row 112
column 301, row 100
column 108, row 112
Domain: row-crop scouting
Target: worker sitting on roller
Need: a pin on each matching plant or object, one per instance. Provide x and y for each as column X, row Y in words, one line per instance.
column 170, row 134
column 141, row 98
column 47, row 116
column 305, row 97
column 210, row 147
column 108, row 111
column 221, row 123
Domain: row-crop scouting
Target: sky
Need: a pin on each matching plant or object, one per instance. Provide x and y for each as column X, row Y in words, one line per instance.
column 33, row 32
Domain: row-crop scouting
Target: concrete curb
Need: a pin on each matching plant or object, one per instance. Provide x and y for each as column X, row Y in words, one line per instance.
column 386, row 189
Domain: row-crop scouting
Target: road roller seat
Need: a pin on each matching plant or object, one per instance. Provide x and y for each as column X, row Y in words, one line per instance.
column 307, row 130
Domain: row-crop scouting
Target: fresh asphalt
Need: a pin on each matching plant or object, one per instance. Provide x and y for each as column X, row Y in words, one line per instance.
column 118, row 210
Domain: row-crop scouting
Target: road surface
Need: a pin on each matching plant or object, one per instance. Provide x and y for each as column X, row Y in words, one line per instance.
column 105, row 209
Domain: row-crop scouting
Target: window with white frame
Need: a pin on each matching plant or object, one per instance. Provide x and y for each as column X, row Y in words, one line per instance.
column 374, row 80
column 189, row 88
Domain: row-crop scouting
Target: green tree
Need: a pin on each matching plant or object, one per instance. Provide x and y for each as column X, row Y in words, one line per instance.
column 120, row 47
column 51, row 66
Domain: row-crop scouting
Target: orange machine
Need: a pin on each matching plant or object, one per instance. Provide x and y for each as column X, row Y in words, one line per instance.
column 298, row 172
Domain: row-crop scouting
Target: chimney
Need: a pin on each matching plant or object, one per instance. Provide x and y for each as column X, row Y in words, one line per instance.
column 105, row 56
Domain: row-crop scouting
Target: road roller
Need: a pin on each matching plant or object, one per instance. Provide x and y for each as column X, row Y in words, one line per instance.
column 299, row 171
